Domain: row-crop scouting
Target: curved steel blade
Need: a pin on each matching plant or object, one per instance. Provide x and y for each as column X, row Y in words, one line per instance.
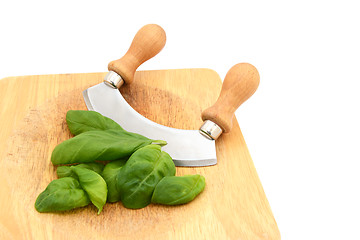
column 186, row 147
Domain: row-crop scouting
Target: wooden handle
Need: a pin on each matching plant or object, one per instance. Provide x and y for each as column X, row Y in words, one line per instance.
column 148, row 42
column 240, row 82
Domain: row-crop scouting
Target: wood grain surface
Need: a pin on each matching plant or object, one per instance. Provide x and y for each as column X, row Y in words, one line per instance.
column 232, row 206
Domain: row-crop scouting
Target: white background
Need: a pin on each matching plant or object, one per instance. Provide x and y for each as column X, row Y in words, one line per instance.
column 301, row 126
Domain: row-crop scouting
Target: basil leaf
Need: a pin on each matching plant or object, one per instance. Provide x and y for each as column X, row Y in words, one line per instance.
column 106, row 145
column 178, row 190
column 80, row 121
column 65, row 171
column 109, row 174
column 93, row 184
column 137, row 179
column 61, row 195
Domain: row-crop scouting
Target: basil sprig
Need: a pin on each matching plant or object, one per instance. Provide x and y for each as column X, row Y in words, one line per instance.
column 110, row 164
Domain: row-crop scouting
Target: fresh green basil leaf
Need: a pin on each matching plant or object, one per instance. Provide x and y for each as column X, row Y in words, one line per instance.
column 109, row 174
column 80, row 121
column 95, row 166
column 137, row 179
column 178, row 190
column 61, row 195
column 93, row 184
column 106, row 145
column 65, row 171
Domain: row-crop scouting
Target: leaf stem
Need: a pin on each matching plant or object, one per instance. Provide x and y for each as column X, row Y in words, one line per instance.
column 159, row 142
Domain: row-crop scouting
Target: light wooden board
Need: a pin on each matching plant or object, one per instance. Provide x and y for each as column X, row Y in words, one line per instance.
column 232, row 206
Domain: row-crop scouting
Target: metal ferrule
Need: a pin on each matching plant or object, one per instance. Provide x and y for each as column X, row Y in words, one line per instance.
column 210, row 130
column 114, row 80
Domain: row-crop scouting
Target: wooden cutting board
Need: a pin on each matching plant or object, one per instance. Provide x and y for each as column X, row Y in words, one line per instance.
column 232, row 206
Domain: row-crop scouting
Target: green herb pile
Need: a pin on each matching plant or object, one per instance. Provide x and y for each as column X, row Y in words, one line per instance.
column 105, row 163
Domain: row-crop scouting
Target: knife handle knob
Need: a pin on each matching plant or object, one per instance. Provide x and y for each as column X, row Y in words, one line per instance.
column 148, row 42
column 240, row 82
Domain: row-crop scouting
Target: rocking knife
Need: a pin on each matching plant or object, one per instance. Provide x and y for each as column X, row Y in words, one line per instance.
column 186, row 147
